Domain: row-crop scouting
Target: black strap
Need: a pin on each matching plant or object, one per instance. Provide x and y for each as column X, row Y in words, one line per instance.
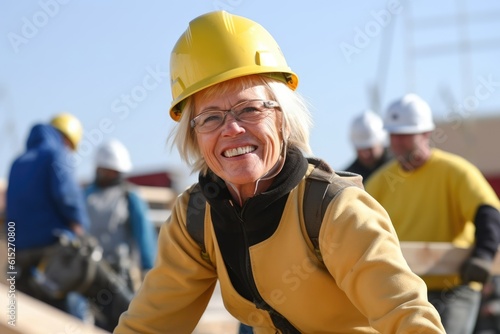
column 195, row 222
column 322, row 185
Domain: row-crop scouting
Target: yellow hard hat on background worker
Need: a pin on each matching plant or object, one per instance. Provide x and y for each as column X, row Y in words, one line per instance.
column 219, row 46
column 70, row 127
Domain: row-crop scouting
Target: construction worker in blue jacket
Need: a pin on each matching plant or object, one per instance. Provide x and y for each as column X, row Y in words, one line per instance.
column 43, row 198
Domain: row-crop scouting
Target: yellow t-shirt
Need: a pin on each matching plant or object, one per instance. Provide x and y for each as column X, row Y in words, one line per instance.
column 435, row 203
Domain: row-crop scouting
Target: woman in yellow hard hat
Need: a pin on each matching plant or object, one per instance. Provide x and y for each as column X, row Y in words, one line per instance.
column 245, row 130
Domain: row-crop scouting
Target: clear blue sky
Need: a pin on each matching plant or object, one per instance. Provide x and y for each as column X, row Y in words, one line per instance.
column 86, row 57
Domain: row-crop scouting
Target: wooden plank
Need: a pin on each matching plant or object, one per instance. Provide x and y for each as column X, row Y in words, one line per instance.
column 165, row 196
column 35, row 317
column 438, row 258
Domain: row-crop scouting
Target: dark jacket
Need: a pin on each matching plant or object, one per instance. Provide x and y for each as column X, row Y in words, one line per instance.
column 365, row 172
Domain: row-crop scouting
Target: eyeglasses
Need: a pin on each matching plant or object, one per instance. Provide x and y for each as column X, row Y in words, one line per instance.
column 250, row 111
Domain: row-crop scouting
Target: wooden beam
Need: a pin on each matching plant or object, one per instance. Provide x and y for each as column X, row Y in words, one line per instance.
column 35, row 317
column 165, row 196
column 438, row 258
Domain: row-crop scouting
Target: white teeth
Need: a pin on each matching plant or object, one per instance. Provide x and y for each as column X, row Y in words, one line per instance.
column 238, row 151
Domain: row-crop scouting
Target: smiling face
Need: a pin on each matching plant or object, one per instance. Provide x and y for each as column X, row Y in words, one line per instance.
column 239, row 153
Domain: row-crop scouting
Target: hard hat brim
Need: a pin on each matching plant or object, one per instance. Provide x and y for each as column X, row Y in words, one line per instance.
column 408, row 130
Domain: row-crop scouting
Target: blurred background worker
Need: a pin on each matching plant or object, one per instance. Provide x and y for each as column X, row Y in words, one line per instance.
column 44, row 199
column 119, row 216
column 435, row 196
column 119, row 221
column 369, row 138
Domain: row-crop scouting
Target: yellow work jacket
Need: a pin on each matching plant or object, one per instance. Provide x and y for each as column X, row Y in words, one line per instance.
column 363, row 286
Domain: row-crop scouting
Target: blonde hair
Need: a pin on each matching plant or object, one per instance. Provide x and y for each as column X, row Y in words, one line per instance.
column 297, row 120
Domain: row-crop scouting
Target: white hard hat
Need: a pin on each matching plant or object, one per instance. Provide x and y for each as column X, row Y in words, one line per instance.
column 113, row 155
column 367, row 130
column 409, row 115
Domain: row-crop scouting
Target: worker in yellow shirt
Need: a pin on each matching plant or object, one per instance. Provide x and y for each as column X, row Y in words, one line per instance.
column 435, row 196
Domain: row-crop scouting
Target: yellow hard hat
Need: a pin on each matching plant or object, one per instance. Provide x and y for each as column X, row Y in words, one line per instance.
column 219, row 46
column 70, row 127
